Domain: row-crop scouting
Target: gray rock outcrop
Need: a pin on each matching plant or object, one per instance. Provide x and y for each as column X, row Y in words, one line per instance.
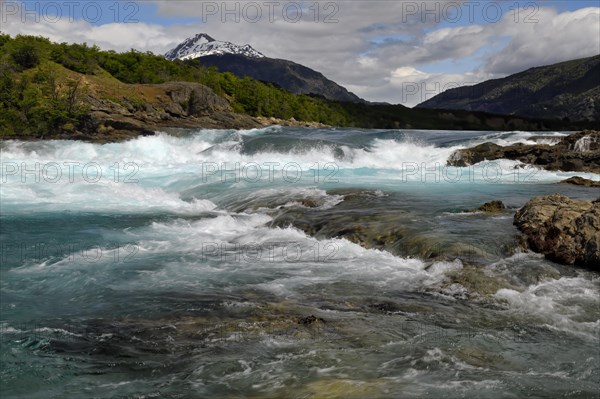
column 564, row 230
column 579, row 152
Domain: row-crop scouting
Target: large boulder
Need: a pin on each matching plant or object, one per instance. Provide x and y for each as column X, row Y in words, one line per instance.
column 566, row 231
column 480, row 153
column 193, row 98
column 579, row 152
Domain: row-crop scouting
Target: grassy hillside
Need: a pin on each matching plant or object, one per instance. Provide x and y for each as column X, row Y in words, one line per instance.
column 44, row 86
column 48, row 88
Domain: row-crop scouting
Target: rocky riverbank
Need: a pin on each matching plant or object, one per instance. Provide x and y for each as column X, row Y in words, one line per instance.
column 183, row 105
column 579, row 152
column 168, row 105
column 139, row 110
column 289, row 122
column 564, row 230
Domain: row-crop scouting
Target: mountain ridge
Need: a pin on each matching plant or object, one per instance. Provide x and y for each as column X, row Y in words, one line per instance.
column 568, row 90
column 202, row 45
column 72, row 91
column 246, row 61
column 291, row 76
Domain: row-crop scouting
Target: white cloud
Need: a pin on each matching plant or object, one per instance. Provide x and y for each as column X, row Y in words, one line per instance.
column 411, row 86
column 555, row 38
column 112, row 36
column 351, row 51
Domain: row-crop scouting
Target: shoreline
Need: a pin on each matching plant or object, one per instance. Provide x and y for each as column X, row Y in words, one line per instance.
column 122, row 128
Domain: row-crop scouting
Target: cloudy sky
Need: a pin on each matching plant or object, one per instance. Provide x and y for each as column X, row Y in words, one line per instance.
column 393, row 51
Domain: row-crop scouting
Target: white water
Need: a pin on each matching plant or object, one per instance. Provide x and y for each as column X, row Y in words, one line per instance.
column 148, row 173
column 170, row 237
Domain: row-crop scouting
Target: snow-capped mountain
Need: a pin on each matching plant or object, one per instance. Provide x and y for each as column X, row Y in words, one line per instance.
column 203, row 45
column 245, row 61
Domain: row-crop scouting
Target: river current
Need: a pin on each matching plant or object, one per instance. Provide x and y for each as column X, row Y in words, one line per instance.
column 285, row 263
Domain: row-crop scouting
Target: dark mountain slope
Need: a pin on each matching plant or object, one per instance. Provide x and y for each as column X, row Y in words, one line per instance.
column 289, row 75
column 566, row 90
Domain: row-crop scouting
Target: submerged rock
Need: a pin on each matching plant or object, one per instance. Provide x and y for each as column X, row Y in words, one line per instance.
column 345, row 389
column 363, row 218
column 490, row 207
column 564, row 230
column 476, row 282
column 578, row 152
column 310, row 320
column 580, row 181
column 310, row 202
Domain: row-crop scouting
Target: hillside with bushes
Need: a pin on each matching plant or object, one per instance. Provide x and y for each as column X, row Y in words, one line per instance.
column 53, row 89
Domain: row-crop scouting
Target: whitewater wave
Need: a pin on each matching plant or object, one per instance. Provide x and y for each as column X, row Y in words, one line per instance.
column 169, row 151
column 566, row 304
column 152, row 173
column 519, row 137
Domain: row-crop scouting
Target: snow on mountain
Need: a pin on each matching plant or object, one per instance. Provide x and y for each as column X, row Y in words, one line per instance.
column 203, row 45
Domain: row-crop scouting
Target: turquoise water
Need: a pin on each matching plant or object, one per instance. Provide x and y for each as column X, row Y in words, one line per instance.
column 188, row 264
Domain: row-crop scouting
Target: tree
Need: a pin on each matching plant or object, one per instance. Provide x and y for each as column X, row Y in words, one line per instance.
column 72, row 96
column 26, row 56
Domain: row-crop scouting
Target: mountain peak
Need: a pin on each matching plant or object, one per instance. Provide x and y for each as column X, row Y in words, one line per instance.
column 202, row 36
column 202, row 45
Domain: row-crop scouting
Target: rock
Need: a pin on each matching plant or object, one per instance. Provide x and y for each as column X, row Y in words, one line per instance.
column 175, row 110
column 476, row 281
column 580, row 181
column 587, row 141
column 181, row 105
column 289, row 122
column 372, row 227
column 198, row 99
column 225, row 120
column 490, row 207
column 545, row 139
column 329, row 388
column 310, row 320
column 579, row 152
column 366, row 219
column 310, row 202
column 564, row 230
column 100, row 126
column 480, row 153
